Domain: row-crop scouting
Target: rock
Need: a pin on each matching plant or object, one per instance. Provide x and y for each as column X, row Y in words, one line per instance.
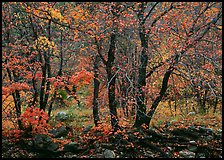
column 173, row 121
column 109, row 153
column 209, row 138
column 192, row 148
column 30, row 143
column 72, row 147
column 200, row 155
column 191, row 113
column 185, row 133
column 169, row 148
column 218, row 134
column 191, row 127
column 41, row 141
column 59, row 132
column 209, row 130
column 97, row 156
column 53, row 146
column 192, row 142
column 202, row 129
column 107, row 145
column 167, row 124
column 87, row 129
column 187, row 154
column 53, row 132
column 61, row 116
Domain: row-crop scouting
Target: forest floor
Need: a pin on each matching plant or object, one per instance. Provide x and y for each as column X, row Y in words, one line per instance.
column 171, row 135
column 169, row 142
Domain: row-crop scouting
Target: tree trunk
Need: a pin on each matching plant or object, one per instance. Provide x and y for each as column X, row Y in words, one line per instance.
column 35, row 92
column 111, row 77
column 159, row 98
column 215, row 105
column 43, row 83
column 46, row 70
column 140, row 97
column 59, row 74
column 17, row 100
column 96, row 91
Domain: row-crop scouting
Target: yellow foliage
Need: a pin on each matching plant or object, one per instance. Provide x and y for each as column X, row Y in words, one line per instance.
column 43, row 44
column 55, row 14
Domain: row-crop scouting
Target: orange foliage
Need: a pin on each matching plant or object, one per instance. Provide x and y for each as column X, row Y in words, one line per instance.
column 81, row 78
column 36, row 118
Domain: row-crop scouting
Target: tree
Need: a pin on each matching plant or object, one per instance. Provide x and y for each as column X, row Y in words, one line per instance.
column 191, row 41
column 137, row 54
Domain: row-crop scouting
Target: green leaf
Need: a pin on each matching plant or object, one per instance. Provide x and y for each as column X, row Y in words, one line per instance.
column 63, row 94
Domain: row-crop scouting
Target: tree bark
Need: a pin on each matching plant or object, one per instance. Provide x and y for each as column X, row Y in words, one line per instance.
column 159, row 98
column 59, row 74
column 140, row 97
column 111, row 77
column 46, row 72
column 96, row 91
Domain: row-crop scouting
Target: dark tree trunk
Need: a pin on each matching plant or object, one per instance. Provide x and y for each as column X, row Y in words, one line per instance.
column 111, row 77
column 96, row 91
column 43, row 83
column 61, row 56
column 141, row 116
column 16, row 98
column 48, row 64
column 159, row 98
column 140, row 97
column 215, row 105
column 35, row 92
column 16, row 95
column 48, row 82
column 46, row 72
column 203, row 107
column 133, row 79
column 123, row 99
column 59, row 74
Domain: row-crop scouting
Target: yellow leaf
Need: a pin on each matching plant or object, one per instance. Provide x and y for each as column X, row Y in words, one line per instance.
column 215, row 9
column 219, row 27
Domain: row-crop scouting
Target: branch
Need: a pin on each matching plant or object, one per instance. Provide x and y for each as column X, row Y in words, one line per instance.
column 165, row 12
column 143, row 21
column 99, row 51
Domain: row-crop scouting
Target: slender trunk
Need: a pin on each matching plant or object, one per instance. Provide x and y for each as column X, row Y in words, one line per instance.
column 35, row 91
column 159, row 98
column 46, row 69
column 111, row 77
column 16, row 95
column 96, row 91
column 133, row 78
column 59, row 74
column 48, row 82
column 141, row 107
column 204, row 100
column 17, row 100
column 48, row 64
column 61, row 57
column 43, row 83
column 199, row 101
column 215, row 105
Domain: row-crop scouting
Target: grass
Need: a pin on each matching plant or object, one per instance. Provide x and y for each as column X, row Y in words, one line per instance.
column 209, row 119
column 80, row 118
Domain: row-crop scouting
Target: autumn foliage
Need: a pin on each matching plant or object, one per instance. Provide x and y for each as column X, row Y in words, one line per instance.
column 129, row 64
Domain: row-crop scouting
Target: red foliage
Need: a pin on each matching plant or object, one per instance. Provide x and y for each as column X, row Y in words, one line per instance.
column 37, row 119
